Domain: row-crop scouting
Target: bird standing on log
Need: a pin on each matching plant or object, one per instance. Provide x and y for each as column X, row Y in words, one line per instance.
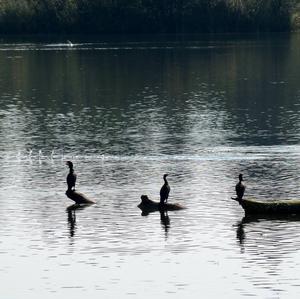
column 71, row 178
column 165, row 190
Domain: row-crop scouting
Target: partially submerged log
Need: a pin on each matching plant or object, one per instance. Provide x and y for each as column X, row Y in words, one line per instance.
column 280, row 206
column 151, row 206
column 79, row 198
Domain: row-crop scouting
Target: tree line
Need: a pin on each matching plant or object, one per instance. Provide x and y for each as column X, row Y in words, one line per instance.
column 145, row 16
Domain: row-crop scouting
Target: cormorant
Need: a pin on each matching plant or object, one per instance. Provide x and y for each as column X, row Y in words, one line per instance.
column 240, row 188
column 165, row 190
column 71, row 178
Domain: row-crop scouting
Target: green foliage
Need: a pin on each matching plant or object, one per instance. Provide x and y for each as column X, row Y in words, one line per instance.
column 144, row 16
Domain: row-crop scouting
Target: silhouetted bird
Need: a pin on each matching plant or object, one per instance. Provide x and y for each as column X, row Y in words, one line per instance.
column 71, row 178
column 165, row 190
column 240, row 188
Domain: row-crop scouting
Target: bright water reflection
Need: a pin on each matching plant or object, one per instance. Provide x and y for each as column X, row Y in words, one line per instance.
column 125, row 113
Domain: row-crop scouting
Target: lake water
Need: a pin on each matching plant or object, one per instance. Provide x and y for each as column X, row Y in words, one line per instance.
column 126, row 111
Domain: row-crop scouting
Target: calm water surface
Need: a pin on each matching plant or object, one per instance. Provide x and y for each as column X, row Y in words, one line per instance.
column 126, row 113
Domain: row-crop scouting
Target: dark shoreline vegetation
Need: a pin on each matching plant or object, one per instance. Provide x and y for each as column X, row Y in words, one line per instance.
column 147, row 16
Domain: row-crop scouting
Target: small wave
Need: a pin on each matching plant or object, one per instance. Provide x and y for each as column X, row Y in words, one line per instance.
column 204, row 154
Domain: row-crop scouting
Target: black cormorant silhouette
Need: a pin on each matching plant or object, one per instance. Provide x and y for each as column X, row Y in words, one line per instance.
column 240, row 188
column 71, row 178
column 165, row 190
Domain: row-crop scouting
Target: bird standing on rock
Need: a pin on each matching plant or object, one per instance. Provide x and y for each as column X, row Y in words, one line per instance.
column 71, row 178
column 165, row 190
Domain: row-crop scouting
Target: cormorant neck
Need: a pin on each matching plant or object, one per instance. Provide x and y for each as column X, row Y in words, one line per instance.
column 71, row 170
column 165, row 179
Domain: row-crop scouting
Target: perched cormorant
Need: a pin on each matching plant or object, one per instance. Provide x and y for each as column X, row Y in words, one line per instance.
column 71, row 178
column 240, row 188
column 165, row 190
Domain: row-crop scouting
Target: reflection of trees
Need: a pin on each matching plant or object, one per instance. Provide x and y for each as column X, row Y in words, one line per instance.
column 175, row 87
column 269, row 107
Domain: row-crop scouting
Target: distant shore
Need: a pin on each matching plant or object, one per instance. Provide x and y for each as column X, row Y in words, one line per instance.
column 147, row 16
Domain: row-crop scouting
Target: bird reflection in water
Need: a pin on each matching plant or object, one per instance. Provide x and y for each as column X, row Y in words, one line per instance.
column 240, row 231
column 71, row 211
column 248, row 219
column 165, row 221
column 240, row 234
column 71, row 221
